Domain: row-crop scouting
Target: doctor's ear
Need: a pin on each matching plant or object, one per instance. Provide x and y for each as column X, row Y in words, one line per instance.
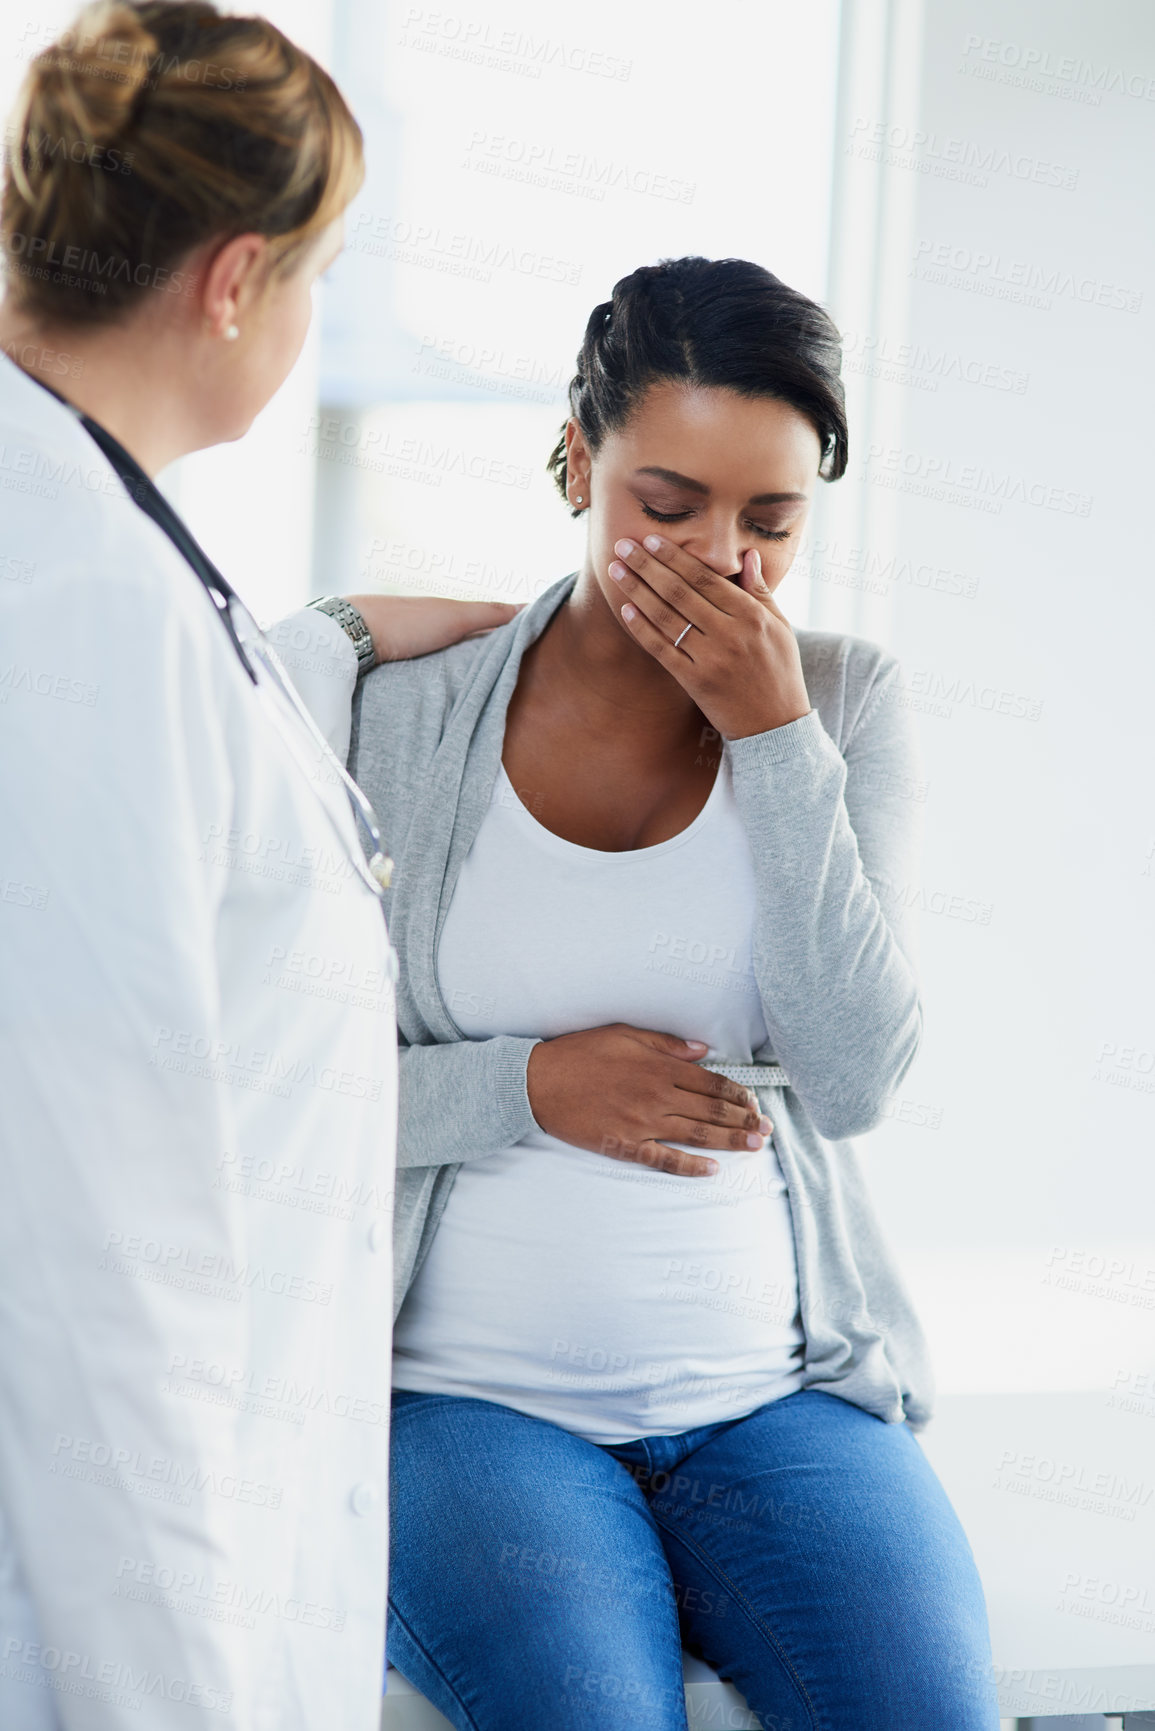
column 232, row 280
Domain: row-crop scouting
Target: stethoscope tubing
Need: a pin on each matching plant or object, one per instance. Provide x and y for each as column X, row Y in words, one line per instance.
column 377, row 870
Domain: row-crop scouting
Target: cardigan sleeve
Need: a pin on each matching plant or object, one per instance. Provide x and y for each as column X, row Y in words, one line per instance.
column 462, row 1100
column 457, row 1099
column 836, row 840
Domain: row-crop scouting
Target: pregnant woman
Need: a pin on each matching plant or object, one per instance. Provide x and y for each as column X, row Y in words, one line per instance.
column 656, row 1378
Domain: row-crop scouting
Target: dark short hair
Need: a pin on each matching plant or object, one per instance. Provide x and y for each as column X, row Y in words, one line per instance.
column 721, row 322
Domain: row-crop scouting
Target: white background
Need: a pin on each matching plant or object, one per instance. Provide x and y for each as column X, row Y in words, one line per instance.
column 1040, row 1168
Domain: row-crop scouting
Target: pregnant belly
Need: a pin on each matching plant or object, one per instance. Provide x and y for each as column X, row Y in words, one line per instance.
column 611, row 1299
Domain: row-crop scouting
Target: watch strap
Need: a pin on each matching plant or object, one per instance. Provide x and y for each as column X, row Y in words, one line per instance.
column 352, row 623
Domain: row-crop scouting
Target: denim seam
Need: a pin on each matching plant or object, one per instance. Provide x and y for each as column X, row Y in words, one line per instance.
column 433, row 1665
column 671, row 1599
column 672, row 1606
column 724, row 1579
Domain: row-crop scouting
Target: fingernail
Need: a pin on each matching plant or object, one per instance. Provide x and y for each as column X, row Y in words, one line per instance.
column 753, row 1141
column 628, row 611
column 711, row 1167
column 765, row 1125
column 617, row 572
column 698, row 1045
column 625, row 548
column 652, row 543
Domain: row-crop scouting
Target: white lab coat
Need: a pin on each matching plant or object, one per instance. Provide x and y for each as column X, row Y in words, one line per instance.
column 198, row 1098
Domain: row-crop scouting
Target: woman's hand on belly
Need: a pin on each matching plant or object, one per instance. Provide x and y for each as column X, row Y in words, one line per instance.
column 623, row 1091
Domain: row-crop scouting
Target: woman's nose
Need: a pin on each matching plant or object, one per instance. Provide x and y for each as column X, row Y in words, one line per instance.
column 719, row 547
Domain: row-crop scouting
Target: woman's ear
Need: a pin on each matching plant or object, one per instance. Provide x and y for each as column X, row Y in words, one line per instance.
column 577, row 466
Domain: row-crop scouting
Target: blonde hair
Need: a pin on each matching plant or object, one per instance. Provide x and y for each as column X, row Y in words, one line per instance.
column 151, row 127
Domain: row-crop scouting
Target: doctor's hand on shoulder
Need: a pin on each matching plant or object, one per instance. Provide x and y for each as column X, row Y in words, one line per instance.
column 403, row 626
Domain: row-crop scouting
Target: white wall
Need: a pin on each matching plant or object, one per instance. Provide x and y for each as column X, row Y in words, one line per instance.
column 521, row 162
column 1002, row 399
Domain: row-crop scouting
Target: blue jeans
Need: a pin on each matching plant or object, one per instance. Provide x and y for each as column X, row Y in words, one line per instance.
column 806, row 1551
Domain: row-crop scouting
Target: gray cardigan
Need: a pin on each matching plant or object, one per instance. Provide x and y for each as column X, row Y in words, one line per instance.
column 830, row 805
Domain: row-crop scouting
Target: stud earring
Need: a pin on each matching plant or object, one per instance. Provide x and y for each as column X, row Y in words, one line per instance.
column 232, row 332
column 577, row 499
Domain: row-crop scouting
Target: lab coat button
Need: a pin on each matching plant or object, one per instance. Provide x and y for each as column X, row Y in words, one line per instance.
column 378, row 1235
column 364, row 1498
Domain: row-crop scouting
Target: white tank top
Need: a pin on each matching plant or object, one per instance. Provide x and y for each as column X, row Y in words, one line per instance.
column 612, row 1300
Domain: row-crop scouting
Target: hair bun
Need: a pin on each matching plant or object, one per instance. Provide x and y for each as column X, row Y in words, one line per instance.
column 82, row 91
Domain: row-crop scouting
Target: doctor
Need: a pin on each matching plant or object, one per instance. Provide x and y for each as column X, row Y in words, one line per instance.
column 197, row 1046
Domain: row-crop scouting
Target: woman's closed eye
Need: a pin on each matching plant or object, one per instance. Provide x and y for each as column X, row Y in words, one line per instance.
column 680, row 517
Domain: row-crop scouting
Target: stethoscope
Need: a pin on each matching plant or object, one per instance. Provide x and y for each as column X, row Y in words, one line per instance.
column 249, row 642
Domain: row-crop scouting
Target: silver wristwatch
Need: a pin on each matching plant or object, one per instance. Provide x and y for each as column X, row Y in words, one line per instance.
column 353, row 625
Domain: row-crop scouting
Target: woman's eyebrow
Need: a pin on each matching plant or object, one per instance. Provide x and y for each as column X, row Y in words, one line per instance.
column 673, row 476
column 693, row 486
